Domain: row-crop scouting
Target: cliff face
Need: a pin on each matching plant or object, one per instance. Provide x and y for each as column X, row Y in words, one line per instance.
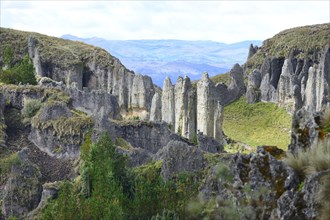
column 80, row 65
column 294, row 67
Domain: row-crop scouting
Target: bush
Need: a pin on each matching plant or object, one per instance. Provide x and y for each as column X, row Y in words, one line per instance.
column 23, row 73
column 314, row 159
column 31, row 107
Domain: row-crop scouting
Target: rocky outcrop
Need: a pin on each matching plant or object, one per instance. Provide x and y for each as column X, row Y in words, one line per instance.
column 252, row 51
column 156, row 108
column 54, row 111
column 249, row 182
column 16, row 96
column 180, row 157
column 185, row 108
column 142, row 92
column 209, row 109
column 301, row 204
column 253, row 92
column 317, row 92
column 294, row 82
column 22, row 190
column 96, row 103
column 168, row 104
column 305, row 129
column 237, row 87
column 49, row 191
column 55, row 131
column 209, row 144
column 145, row 135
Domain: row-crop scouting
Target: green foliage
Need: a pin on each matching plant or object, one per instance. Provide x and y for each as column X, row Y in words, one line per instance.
column 108, row 189
column 222, row 78
column 325, row 122
column 103, row 190
column 85, row 147
column 6, row 163
column 31, row 107
column 8, row 56
column 257, row 124
column 22, row 72
column 310, row 161
column 121, row 142
column 166, row 215
column 323, row 197
column 195, row 139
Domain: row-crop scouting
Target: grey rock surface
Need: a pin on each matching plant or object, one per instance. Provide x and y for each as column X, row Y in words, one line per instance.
column 304, row 132
column 209, row 144
column 96, row 103
column 185, row 108
column 253, row 92
column 156, row 108
column 22, row 190
column 209, row 109
column 179, row 157
column 54, row 111
column 168, row 104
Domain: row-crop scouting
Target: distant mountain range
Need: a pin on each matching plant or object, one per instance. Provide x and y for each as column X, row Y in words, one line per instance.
column 161, row 58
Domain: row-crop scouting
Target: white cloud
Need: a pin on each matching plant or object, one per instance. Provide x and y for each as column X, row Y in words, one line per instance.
column 225, row 21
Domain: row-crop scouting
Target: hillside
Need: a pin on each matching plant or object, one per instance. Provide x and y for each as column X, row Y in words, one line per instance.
column 300, row 42
column 257, row 124
column 161, row 58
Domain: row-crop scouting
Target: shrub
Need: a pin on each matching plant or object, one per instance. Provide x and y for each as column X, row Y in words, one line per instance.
column 22, row 72
column 314, row 159
column 31, row 107
column 6, row 164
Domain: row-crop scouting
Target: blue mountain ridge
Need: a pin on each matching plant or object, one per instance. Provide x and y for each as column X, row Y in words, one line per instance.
column 173, row 58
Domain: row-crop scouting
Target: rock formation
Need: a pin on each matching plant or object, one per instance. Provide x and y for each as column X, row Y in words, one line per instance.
column 253, row 92
column 22, row 190
column 185, row 108
column 156, row 108
column 180, row 157
column 209, row 109
column 168, row 104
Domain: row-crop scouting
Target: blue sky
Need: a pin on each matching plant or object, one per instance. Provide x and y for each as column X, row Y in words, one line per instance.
column 224, row 21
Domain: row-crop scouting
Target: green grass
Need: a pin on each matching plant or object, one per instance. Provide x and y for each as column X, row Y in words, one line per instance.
column 222, row 78
column 65, row 52
column 257, row 124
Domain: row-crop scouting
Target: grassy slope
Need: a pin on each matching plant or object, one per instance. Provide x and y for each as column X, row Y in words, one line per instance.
column 56, row 50
column 305, row 41
column 257, row 124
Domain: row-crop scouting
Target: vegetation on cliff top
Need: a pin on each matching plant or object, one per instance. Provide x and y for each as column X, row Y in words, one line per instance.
column 303, row 42
column 22, row 72
column 56, row 50
column 257, row 124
